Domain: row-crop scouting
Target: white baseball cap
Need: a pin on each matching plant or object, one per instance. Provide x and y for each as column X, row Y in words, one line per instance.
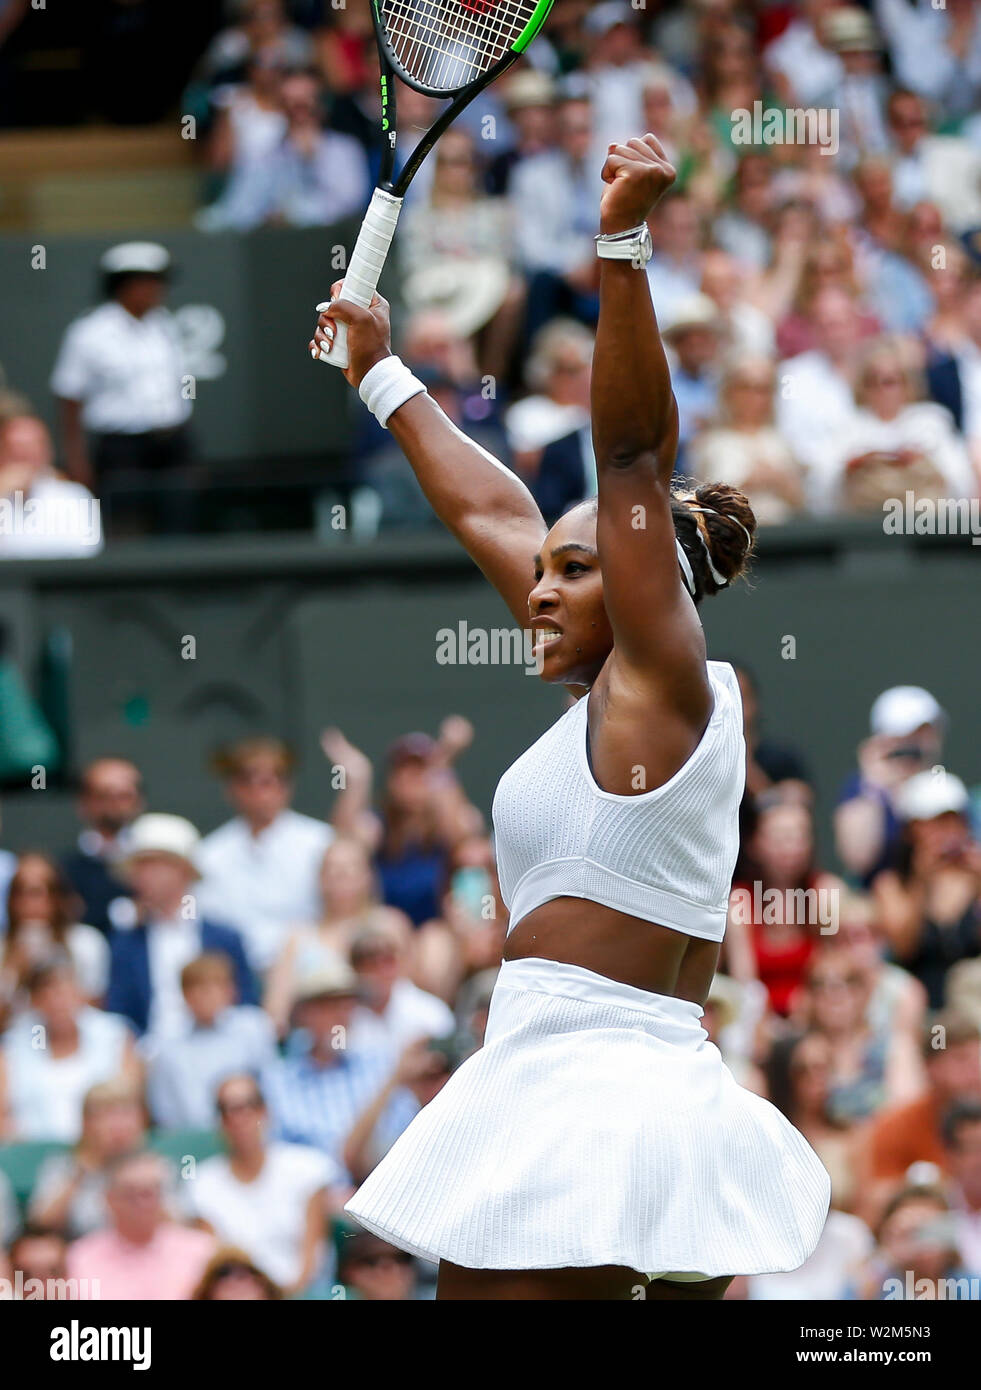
column 136, row 258
column 156, row 833
column 903, row 708
column 930, row 794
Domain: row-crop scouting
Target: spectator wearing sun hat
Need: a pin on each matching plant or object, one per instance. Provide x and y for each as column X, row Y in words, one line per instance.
column 693, row 333
column 147, row 959
column 906, row 725
column 118, row 377
column 316, row 1093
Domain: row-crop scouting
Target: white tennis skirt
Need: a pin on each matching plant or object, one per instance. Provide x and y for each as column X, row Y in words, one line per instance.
column 597, row 1126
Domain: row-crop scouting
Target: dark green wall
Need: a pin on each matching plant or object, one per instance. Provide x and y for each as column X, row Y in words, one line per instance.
column 272, row 401
column 292, row 636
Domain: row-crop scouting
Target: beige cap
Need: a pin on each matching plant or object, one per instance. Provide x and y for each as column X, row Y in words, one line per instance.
column 529, row 88
column 696, row 311
column 848, row 29
column 156, row 833
column 334, row 981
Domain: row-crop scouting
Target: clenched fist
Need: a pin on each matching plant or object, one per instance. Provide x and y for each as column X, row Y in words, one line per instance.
column 637, row 176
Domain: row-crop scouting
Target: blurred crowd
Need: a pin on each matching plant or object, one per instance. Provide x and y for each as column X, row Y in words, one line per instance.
column 817, row 266
column 207, row 1042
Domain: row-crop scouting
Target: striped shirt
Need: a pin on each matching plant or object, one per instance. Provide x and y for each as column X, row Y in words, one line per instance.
column 317, row 1104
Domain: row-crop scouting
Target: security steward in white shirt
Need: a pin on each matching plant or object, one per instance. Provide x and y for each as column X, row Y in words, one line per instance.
column 121, row 392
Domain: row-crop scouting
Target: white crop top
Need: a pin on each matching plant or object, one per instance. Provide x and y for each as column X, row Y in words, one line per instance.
column 666, row 855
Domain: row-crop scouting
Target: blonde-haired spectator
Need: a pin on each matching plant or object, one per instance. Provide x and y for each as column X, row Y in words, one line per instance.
column 69, row 1194
column 744, row 449
column 558, row 374
column 895, row 442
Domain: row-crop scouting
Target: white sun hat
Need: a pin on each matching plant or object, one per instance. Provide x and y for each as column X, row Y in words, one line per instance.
column 156, row 833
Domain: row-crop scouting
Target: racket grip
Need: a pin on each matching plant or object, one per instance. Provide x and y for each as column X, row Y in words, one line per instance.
column 366, row 264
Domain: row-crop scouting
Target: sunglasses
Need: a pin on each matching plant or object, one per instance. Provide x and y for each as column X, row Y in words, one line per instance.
column 235, row 1107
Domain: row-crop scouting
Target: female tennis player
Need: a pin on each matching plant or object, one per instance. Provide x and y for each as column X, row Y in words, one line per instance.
column 597, row 1147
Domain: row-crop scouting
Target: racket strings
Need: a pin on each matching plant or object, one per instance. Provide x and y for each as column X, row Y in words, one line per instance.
column 445, row 44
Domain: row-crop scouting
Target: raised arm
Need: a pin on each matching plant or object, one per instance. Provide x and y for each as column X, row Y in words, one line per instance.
column 657, row 635
column 488, row 509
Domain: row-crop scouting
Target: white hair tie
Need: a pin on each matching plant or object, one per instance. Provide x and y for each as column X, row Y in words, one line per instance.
column 710, row 511
column 686, row 568
column 720, row 579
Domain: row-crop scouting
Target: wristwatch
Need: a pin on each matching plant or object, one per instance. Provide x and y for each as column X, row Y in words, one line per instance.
column 634, row 246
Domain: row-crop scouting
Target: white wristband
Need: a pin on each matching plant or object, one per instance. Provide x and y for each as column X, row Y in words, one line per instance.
column 386, row 386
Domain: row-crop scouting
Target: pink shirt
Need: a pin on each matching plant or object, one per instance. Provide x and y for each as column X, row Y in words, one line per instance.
column 168, row 1267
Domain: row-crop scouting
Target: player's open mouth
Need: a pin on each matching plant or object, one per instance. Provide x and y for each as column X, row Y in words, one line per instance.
column 545, row 635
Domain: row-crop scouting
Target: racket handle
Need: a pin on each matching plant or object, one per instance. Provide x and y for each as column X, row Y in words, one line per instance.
column 365, row 268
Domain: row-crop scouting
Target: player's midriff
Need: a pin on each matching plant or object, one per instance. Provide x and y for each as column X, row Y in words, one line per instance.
column 614, row 944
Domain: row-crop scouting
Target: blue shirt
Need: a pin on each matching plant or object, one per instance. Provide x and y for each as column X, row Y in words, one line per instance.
column 184, row 1075
column 311, row 1103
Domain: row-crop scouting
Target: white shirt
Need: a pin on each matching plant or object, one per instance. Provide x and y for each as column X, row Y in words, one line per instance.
column 808, row 66
column 126, row 371
column 170, row 946
column 411, row 1013
column 263, row 884
column 266, row 1217
column 814, row 403
column 538, row 420
column 945, row 170
column 923, row 427
column 255, row 129
column 56, row 520
column 90, row 955
column 617, row 94
column 46, row 1092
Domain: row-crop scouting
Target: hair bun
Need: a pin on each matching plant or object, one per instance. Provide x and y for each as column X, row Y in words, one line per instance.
column 731, row 526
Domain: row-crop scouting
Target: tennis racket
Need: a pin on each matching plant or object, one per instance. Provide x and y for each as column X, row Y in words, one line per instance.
column 442, row 48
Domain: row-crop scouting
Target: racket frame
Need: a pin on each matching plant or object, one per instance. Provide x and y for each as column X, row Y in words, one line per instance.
column 382, row 214
column 459, row 100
